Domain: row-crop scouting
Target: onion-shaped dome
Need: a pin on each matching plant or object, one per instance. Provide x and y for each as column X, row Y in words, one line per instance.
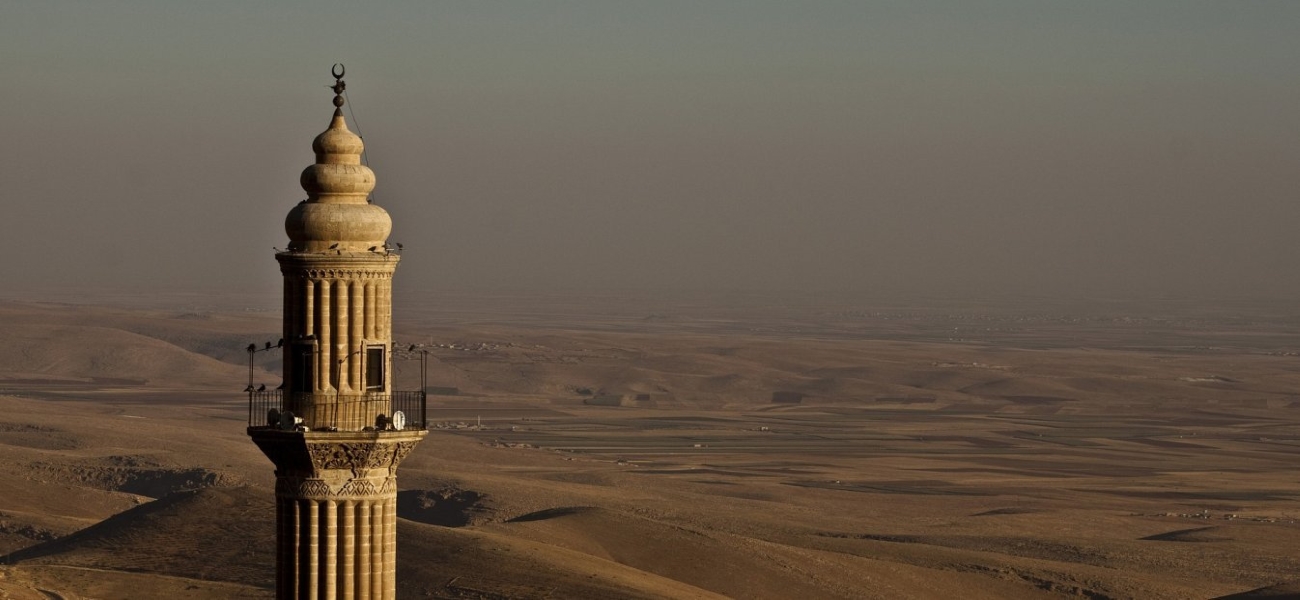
column 337, row 214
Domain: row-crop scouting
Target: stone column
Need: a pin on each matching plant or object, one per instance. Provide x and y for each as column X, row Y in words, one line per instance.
column 390, row 547
column 356, row 323
column 377, row 540
column 364, row 538
column 370, row 309
column 310, row 549
column 347, row 554
column 324, row 365
column 308, row 309
column 339, row 336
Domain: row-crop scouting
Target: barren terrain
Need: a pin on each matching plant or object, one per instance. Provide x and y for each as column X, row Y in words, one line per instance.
column 743, row 447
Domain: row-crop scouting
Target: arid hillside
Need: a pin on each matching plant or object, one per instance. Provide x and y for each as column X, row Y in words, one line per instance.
column 636, row 450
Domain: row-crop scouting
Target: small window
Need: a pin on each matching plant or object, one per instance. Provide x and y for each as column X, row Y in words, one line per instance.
column 375, row 368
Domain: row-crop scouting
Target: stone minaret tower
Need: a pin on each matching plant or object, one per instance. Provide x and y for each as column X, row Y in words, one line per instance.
column 336, row 430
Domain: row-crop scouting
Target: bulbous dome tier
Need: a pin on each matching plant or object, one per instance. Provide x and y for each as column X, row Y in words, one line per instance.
column 337, row 214
column 316, row 227
column 338, row 141
column 330, row 181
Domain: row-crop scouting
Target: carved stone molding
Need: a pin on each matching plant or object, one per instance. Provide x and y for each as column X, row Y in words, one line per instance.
column 400, row 451
column 335, row 465
column 298, row 487
column 359, row 455
column 353, row 455
column 310, row 488
column 342, row 274
column 334, row 456
column 358, row 487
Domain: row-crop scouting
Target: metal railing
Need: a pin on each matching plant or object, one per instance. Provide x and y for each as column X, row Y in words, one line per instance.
column 337, row 412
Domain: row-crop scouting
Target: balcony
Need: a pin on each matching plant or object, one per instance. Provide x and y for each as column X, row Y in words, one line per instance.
column 337, row 412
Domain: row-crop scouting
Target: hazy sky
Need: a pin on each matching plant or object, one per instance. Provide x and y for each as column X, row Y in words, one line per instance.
column 1102, row 148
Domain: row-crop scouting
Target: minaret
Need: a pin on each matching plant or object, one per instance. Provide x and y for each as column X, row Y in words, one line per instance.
column 337, row 431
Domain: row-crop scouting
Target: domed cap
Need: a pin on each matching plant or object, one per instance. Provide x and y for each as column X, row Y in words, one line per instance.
column 337, row 214
column 338, row 175
column 338, row 143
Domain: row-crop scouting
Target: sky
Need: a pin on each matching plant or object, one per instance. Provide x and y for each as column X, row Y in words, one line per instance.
column 1040, row 148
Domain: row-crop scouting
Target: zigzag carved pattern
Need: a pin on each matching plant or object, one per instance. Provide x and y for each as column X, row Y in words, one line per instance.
column 357, row 487
column 294, row 487
column 313, row 487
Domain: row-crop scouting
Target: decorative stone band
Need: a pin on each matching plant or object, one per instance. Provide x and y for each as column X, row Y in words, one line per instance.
column 348, row 274
column 359, row 455
column 377, row 264
column 305, row 488
column 336, row 457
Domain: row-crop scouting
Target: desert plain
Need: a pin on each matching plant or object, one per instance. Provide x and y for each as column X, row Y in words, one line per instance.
column 742, row 446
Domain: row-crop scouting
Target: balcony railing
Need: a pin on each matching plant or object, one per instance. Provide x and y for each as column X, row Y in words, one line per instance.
column 337, row 412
